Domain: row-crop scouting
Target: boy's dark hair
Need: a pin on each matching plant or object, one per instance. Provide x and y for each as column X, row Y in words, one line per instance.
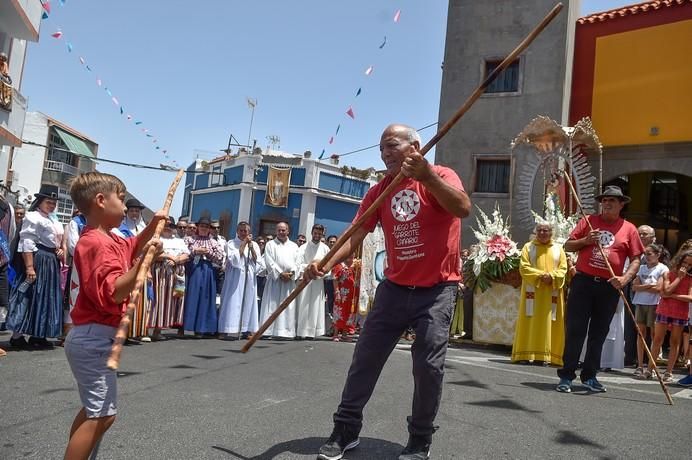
column 318, row 227
column 86, row 186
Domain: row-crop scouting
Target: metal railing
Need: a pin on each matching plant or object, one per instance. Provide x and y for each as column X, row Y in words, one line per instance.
column 60, row 167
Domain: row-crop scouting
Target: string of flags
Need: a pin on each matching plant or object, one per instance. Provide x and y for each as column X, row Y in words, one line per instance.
column 59, row 35
column 350, row 112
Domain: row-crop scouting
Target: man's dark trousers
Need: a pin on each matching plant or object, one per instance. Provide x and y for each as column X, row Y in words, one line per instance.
column 428, row 311
column 591, row 305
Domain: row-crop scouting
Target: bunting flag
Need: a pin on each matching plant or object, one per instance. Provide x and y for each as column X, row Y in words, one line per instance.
column 59, row 35
column 368, row 72
column 62, row 2
column 46, row 5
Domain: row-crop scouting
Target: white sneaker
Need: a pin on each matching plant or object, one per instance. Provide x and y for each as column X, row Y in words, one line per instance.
column 145, row 339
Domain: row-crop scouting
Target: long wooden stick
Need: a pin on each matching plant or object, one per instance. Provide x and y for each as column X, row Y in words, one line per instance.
column 652, row 361
column 442, row 131
column 121, row 335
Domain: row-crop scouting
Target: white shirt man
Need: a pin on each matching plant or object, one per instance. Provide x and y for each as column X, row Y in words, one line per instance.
column 311, row 300
column 280, row 261
column 239, row 295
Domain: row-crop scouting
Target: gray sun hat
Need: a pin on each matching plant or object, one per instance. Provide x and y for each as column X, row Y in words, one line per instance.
column 615, row 192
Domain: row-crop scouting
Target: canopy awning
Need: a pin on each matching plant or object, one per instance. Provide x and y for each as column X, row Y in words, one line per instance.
column 73, row 143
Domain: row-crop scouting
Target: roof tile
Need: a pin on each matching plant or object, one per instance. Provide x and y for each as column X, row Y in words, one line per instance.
column 644, row 7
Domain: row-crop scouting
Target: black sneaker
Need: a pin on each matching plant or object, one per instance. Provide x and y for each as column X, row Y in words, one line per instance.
column 19, row 343
column 40, row 342
column 418, row 448
column 343, row 438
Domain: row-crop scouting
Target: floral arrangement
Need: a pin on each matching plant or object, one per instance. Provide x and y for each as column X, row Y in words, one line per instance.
column 554, row 216
column 495, row 257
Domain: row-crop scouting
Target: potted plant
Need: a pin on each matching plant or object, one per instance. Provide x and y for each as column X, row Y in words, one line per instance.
column 334, row 159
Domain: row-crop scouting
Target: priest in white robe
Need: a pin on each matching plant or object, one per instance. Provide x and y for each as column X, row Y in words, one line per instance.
column 280, row 255
column 310, row 303
column 239, row 294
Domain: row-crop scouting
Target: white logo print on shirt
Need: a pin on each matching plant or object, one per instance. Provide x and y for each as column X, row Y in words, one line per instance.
column 405, row 205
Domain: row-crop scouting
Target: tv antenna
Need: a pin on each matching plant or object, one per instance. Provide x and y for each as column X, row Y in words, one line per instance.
column 274, row 141
column 233, row 142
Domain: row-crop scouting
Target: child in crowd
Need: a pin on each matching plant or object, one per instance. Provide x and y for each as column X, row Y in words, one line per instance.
column 105, row 265
column 647, row 293
column 673, row 309
column 345, row 291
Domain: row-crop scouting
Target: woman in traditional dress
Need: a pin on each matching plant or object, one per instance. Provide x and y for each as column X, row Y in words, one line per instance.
column 345, row 296
column 132, row 225
column 169, row 283
column 200, row 291
column 36, row 301
column 539, row 335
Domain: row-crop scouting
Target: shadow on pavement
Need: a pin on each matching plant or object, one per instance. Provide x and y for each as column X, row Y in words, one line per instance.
column 469, row 383
column 570, row 437
column 542, row 386
column 369, row 448
column 503, row 404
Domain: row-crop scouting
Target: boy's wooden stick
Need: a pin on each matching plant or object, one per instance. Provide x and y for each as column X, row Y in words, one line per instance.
column 652, row 361
column 121, row 335
column 431, row 143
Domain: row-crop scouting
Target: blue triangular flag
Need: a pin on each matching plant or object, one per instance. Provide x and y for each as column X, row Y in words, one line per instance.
column 358, row 92
column 321, row 155
column 138, row 122
column 337, row 130
column 69, row 47
column 44, row 15
column 121, row 110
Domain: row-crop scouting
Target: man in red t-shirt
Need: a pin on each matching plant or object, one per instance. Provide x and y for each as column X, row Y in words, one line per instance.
column 422, row 227
column 593, row 294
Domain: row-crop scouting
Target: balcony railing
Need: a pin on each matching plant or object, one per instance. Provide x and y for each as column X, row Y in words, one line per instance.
column 60, row 167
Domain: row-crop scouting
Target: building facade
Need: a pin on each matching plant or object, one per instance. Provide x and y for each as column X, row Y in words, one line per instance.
column 633, row 77
column 20, row 21
column 479, row 36
column 52, row 154
column 233, row 189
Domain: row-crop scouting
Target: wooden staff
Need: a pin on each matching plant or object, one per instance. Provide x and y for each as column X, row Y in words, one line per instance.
column 442, row 131
column 652, row 361
column 121, row 335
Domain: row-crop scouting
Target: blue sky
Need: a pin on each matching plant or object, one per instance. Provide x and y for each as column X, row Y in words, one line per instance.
column 185, row 71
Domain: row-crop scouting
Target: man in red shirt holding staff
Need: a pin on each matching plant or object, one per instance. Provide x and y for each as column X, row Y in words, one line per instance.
column 422, row 227
column 593, row 295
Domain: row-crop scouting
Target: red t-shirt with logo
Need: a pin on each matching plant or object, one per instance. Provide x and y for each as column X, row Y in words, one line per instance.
column 100, row 259
column 421, row 238
column 619, row 240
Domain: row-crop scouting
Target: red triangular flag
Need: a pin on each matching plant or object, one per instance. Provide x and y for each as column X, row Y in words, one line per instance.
column 46, row 6
column 397, row 15
column 350, row 113
column 331, row 140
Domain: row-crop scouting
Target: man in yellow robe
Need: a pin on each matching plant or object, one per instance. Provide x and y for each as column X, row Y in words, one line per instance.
column 540, row 332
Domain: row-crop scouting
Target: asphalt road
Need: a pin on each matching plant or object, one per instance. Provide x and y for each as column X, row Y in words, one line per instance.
column 203, row 399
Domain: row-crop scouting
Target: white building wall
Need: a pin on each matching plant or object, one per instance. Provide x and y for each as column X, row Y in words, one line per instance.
column 28, row 159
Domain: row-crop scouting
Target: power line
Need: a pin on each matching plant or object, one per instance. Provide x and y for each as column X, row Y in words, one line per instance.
column 172, row 169
column 363, row 149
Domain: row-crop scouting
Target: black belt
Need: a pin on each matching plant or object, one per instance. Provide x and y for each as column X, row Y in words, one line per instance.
column 443, row 283
column 45, row 248
column 597, row 279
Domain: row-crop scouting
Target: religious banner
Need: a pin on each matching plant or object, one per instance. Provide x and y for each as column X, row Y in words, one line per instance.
column 374, row 261
column 278, row 181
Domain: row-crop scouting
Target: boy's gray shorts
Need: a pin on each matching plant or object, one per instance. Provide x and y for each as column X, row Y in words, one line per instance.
column 87, row 348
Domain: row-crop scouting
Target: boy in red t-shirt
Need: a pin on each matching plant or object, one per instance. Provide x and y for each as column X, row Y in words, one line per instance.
column 107, row 274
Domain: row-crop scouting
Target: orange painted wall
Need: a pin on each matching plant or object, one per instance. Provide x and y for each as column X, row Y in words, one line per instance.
column 643, row 78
